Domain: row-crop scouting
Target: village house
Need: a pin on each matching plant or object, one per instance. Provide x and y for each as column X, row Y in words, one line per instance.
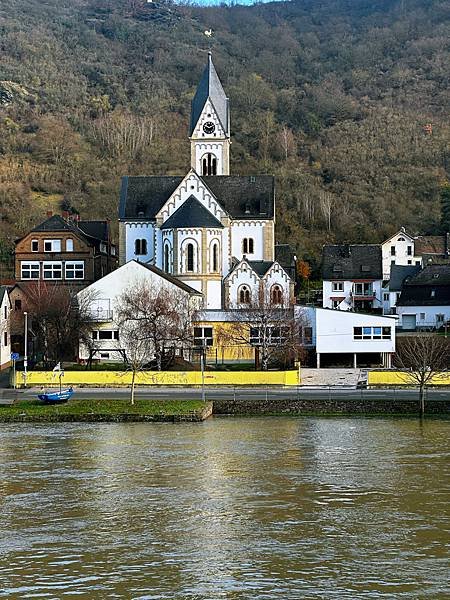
column 424, row 302
column 65, row 251
column 5, row 326
column 352, row 277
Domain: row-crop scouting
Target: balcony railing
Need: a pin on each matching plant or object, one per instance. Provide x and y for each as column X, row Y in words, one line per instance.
column 101, row 315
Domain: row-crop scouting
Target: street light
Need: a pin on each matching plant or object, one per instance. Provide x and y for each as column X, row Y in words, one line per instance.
column 25, row 357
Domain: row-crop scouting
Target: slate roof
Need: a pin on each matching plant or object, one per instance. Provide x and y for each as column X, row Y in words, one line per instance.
column 430, row 244
column 398, row 275
column 430, row 287
column 241, row 197
column 191, row 213
column 98, row 230
column 284, row 255
column 170, row 278
column 350, row 262
column 260, row 266
column 210, row 87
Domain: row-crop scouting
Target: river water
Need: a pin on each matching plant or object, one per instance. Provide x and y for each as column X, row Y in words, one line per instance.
column 245, row 508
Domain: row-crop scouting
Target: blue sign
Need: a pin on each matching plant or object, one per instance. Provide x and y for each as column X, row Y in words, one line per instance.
column 15, row 356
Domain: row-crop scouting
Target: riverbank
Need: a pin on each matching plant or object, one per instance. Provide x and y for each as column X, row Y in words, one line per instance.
column 101, row 410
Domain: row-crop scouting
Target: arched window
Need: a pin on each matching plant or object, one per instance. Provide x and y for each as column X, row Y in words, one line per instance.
column 166, row 258
column 276, row 295
column 247, row 246
column 190, row 257
column 140, row 247
column 244, row 294
column 209, row 165
column 215, row 258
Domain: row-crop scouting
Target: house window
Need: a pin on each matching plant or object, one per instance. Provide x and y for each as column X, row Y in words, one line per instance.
column 409, row 250
column 166, row 257
column 276, row 295
column 409, row 262
column 203, row 336
column 417, row 263
column 105, row 334
column 247, row 246
column 273, row 334
column 52, row 245
column 440, row 319
column 6, row 312
column 386, row 297
column 209, row 165
column 433, row 294
column 104, row 248
column 104, row 354
column 5, row 339
column 393, row 262
column 401, row 239
column 397, row 296
column 17, row 304
column 29, row 270
column 140, row 247
column 337, row 286
column 113, row 250
column 372, row 333
column 69, row 245
column 34, row 245
column 392, row 250
column 422, row 316
column 244, row 294
column 335, row 303
column 190, row 257
column 52, row 270
column 74, row 270
column 307, row 335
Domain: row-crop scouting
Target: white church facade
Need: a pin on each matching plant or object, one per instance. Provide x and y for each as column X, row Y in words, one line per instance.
column 212, row 230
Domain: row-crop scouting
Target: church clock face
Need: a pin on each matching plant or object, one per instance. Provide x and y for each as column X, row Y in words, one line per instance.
column 209, row 127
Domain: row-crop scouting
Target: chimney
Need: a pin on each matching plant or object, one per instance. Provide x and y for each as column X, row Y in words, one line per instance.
column 49, row 213
column 65, row 215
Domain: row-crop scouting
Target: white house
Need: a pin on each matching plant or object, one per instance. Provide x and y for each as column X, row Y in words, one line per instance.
column 352, row 277
column 399, row 250
column 209, row 227
column 103, row 296
column 358, row 335
column 5, row 328
column 424, row 302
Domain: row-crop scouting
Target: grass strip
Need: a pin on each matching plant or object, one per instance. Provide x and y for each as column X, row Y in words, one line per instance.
column 104, row 410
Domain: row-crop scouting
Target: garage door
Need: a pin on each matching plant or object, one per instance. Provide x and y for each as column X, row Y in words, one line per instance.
column 409, row 322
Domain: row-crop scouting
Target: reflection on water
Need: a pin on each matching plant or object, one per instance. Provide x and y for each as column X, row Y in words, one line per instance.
column 270, row 508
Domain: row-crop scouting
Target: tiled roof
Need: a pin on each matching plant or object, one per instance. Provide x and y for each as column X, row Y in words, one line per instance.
column 430, row 244
column 349, row 262
column 210, row 87
column 191, row 214
column 241, row 197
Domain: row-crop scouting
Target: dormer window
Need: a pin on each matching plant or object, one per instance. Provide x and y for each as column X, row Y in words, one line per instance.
column 433, row 294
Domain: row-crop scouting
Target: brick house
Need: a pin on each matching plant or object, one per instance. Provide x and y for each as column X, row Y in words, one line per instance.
column 65, row 251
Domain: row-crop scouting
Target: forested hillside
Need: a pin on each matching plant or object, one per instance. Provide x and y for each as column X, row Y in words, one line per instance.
column 345, row 101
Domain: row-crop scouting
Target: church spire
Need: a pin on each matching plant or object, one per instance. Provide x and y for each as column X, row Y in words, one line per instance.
column 210, row 88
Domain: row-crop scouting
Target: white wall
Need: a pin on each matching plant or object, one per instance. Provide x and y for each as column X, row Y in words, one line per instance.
column 401, row 241
column 247, row 229
column 134, row 231
column 214, row 294
column 425, row 315
column 334, row 332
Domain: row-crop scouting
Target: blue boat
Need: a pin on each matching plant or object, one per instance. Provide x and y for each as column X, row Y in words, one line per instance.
column 56, row 397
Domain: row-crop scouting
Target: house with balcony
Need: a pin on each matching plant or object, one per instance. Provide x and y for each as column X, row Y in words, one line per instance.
column 352, row 277
column 65, row 250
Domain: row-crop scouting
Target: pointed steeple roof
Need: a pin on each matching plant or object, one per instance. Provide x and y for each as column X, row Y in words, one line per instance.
column 191, row 213
column 210, row 87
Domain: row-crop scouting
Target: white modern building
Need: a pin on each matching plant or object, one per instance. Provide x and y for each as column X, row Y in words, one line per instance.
column 360, row 336
column 103, row 298
column 5, row 328
column 212, row 230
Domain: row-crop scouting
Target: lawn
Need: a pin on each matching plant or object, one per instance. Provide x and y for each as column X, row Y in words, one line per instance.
column 105, row 410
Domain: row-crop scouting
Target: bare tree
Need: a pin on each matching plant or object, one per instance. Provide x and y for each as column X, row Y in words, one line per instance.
column 424, row 358
column 123, row 134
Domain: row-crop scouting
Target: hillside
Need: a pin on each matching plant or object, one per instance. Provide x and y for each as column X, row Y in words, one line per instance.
column 331, row 96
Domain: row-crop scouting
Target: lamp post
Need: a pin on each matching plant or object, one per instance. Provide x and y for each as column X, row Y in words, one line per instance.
column 25, row 356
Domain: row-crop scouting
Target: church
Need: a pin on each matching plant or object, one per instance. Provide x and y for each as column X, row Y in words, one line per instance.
column 212, row 230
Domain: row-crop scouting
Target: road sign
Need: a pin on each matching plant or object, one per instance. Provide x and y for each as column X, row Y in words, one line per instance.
column 15, row 356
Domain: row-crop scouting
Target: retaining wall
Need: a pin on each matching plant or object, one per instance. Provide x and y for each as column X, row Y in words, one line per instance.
column 400, row 378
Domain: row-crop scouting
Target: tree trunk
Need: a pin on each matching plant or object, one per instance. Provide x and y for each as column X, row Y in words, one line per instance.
column 422, row 400
column 133, row 378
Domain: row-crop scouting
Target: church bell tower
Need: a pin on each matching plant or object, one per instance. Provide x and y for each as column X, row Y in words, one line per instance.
column 210, row 125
